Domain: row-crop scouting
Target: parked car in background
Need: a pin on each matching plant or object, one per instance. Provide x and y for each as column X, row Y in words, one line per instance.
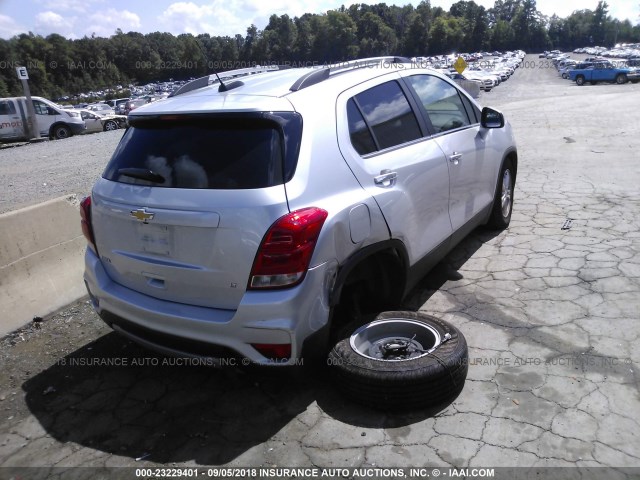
column 471, row 85
column 564, row 67
column 133, row 104
column 116, row 104
column 100, row 108
column 486, row 82
column 634, row 62
column 603, row 72
column 53, row 121
column 99, row 123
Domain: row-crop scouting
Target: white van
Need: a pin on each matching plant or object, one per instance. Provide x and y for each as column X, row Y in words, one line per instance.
column 53, row 121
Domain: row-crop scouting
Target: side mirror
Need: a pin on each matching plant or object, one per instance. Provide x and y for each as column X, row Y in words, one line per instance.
column 491, row 118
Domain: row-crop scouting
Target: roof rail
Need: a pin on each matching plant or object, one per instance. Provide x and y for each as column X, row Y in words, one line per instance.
column 323, row 73
column 211, row 79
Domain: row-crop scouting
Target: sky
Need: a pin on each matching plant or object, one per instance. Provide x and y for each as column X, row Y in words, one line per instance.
column 79, row 18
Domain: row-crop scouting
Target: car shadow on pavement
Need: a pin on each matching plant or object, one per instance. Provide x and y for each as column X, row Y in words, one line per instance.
column 113, row 396
column 148, row 407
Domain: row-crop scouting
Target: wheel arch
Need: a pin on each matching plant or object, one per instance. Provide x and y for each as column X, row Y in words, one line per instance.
column 391, row 253
column 55, row 125
column 512, row 155
column 389, row 256
column 110, row 121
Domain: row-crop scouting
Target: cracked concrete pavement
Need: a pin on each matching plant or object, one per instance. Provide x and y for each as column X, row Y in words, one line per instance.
column 550, row 316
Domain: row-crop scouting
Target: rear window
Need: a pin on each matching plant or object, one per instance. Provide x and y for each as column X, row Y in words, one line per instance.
column 208, row 152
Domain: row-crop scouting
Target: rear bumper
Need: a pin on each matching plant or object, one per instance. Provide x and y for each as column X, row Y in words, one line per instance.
column 263, row 317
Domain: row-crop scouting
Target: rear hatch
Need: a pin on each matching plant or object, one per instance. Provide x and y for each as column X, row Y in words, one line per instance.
column 186, row 199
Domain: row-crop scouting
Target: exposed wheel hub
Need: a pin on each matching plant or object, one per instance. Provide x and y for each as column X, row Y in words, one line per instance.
column 396, row 349
column 395, row 339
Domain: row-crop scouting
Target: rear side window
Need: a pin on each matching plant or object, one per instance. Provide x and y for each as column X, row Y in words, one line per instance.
column 361, row 138
column 7, row 108
column 208, row 152
column 390, row 121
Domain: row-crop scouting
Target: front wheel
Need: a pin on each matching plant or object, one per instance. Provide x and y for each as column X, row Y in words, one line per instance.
column 400, row 361
column 503, row 199
column 110, row 125
column 580, row 80
column 61, row 131
column 621, row 78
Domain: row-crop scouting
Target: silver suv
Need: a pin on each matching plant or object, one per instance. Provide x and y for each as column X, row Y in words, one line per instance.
column 251, row 214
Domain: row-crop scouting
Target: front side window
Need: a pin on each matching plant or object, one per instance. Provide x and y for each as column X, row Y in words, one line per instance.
column 40, row 108
column 390, row 121
column 441, row 101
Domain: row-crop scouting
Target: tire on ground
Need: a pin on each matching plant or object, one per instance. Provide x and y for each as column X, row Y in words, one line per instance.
column 621, row 78
column 503, row 201
column 110, row 125
column 415, row 383
column 60, row 132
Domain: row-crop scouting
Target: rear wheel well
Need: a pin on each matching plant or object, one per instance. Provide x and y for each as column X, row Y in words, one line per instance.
column 376, row 283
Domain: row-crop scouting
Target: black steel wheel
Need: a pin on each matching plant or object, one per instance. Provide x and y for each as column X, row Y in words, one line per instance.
column 61, row 131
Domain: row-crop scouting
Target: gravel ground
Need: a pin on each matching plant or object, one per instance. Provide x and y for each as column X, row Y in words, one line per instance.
column 33, row 173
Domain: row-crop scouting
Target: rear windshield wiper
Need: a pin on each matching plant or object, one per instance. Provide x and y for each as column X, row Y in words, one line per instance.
column 142, row 174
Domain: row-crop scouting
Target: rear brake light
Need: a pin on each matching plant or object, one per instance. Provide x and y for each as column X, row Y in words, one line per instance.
column 85, row 222
column 286, row 249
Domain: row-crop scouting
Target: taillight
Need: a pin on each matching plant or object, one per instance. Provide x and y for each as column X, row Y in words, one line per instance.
column 285, row 252
column 85, row 222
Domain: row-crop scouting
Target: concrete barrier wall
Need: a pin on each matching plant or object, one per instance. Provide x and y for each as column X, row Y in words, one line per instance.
column 41, row 261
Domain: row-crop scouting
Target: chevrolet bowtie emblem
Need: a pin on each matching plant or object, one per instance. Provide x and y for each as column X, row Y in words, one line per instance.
column 142, row 215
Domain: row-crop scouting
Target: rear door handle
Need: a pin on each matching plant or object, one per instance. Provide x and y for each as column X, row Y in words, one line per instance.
column 455, row 158
column 386, row 179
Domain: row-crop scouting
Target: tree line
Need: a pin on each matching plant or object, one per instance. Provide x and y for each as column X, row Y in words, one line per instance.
column 59, row 66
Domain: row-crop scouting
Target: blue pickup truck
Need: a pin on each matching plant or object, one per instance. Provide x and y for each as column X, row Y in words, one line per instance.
column 604, row 72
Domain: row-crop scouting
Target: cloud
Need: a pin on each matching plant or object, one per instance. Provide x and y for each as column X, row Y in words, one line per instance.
column 51, row 22
column 230, row 17
column 216, row 18
column 104, row 23
column 9, row 27
column 187, row 17
column 76, row 6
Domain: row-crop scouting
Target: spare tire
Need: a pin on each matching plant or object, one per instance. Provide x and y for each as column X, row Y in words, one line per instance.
column 400, row 361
